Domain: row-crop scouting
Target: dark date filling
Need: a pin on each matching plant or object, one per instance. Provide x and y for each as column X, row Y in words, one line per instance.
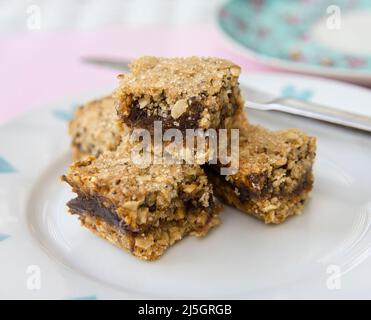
column 304, row 184
column 188, row 120
column 266, row 190
column 92, row 206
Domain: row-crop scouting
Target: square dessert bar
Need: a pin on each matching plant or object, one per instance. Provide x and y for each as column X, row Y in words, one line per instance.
column 142, row 210
column 95, row 128
column 183, row 93
column 275, row 172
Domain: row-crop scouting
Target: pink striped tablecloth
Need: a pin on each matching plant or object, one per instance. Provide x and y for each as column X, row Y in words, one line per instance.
column 40, row 67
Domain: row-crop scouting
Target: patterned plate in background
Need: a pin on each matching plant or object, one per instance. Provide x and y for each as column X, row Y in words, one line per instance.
column 328, row 38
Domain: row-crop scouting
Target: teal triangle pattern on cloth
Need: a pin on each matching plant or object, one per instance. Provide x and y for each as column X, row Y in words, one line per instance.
column 4, row 236
column 5, row 166
column 289, row 91
column 65, row 115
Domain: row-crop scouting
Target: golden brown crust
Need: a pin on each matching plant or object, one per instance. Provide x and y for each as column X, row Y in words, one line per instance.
column 177, row 76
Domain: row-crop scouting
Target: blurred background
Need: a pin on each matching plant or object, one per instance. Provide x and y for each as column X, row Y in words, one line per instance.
column 93, row 14
column 45, row 44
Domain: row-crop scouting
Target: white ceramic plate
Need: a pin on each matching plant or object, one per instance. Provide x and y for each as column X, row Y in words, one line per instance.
column 324, row 253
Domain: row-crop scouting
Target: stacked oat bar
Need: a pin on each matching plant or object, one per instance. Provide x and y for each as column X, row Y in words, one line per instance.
column 142, row 210
column 147, row 209
column 184, row 93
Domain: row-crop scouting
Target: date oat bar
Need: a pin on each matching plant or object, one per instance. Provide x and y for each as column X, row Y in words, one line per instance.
column 275, row 172
column 143, row 210
column 151, row 244
column 95, row 128
column 183, row 93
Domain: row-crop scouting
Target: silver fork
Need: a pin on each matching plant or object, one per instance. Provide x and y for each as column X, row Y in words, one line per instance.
column 266, row 102
column 259, row 100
